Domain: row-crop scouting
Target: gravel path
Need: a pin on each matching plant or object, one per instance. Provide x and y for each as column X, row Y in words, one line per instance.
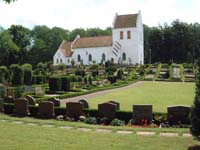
column 91, row 95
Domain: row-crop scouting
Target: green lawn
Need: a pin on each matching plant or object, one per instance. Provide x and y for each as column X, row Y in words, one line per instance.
column 23, row 137
column 159, row 94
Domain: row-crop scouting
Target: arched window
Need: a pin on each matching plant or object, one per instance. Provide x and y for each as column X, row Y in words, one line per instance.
column 103, row 57
column 90, row 57
column 128, row 34
column 124, row 56
column 79, row 58
column 57, row 61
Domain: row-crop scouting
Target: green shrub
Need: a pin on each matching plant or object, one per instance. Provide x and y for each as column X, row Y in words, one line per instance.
column 4, row 74
column 37, row 79
column 90, row 80
column 95, row 73
column 17, row 74
column 120, row 74
column 65, row 83
column 85, row 80
column 18, row 92
column 90, row 120
column 80, row 72
column 28, row 73
column 54, row 84
column 112, row 79
column 73, row 78
column 79, row 79
column 117, row 122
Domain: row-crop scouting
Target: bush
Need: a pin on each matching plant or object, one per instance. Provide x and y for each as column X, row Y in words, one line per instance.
column 90, row 80
column 79, row 79
column 54, row 84
column 90, row 120
column 112, row 79
column 95, row 73
column 104, row 121
column 80, row 72
column 37, row 79
column 117, row 122
column 17, row 74
column 65, row 83
column 85, row 80
column 28, row 73
column 120, row 74
column 73, row 78
column 4, row 74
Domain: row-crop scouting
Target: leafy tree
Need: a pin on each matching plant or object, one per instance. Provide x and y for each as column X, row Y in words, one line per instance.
column 195, row 114
column 78, row 31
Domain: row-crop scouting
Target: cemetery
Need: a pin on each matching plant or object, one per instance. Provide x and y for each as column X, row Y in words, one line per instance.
column 42, row 97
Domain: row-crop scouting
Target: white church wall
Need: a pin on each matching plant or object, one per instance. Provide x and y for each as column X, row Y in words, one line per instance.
column 95, row 52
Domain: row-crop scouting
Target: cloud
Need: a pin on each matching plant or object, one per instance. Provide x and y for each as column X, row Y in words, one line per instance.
column 70, row 14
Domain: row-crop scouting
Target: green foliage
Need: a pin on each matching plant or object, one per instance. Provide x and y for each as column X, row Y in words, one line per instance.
column 38, row 79
column 72, row 62
column 4, row 74
column 80, row 72
column 90, row 120
column 117, row 122
column 112, row 79
column 54, row 83
column 28, row 73
column 65, row 83
column 17, row 74
column 61, row 67
column 18, row 92
column 195, row 114
column 95, row 73
column 120, row 74
column 90, row 80
column 9, row 1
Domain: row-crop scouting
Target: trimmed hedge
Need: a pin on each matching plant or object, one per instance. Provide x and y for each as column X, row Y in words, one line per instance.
column 65, row 83
column 28, row 73
column 38, row 79
column 54, row 84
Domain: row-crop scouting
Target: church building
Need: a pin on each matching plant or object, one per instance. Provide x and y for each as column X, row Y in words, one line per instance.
column 124, row 46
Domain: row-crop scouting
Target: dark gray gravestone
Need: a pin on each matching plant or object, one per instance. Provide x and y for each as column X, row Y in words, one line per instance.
column 46, row 110
column 56, row 101
column 74, row 109
column 178, row 114
column 8, row 99
column 142, row 113
column 28, row 88
column 84, row 102
column 117, row 103
column 21, row 107
column 31, row 100
column 107, row 110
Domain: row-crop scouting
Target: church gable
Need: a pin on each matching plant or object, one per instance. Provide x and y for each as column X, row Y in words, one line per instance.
column 125, row 21
column 65, row 48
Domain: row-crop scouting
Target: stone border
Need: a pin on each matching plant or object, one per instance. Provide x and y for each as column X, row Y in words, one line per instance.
column 100, row 130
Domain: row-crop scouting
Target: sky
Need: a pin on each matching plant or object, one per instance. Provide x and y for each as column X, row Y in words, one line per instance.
column 71, row 14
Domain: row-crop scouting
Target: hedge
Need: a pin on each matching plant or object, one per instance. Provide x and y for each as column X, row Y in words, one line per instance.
column 38, row 79
column 54, row 84
column 65, row 83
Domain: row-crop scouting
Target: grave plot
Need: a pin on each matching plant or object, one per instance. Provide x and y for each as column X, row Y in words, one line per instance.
column 164, row 73
column 189, row 74
column 150, row 73
column 175, row 73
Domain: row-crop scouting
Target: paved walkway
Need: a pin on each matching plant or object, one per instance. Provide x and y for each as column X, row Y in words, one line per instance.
column 101, row 130
column 91, row 95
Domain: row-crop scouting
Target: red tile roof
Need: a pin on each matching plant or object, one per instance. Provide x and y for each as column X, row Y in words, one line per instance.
column 65, row 48
column 125, row 21
column 99, row 41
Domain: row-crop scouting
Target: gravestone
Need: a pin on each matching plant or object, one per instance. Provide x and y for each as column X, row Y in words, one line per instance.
column 46, row 110
column 107, row 110
column 38, row 90
column 31, row 100
column 178, row 114
column 56, row 101
column 142, row 113
column 28, row 88
column 8, row 99
column 21, row 107
column 176, row 72
column 84, row 102
column 117, row 103
column 74, row 109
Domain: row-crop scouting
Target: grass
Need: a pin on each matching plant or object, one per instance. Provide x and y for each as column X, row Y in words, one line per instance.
column 22, row 137
column 159, row 94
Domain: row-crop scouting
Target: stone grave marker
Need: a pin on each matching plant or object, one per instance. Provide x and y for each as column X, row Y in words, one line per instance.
column 178, row 114
column 142, row 112
column 74, row 109
column 107, row 110
column 176, row 72
column 38, row 90
column 56, row 101
column 46, row 110
column 21, row 107
column 117, row 103
column 28, row 88
column 84, row 102
column 31, row 100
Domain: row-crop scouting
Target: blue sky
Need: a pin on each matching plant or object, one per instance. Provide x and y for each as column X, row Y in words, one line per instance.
column 71, row 14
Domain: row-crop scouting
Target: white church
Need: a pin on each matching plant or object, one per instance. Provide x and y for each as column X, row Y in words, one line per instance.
column 125, row 46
